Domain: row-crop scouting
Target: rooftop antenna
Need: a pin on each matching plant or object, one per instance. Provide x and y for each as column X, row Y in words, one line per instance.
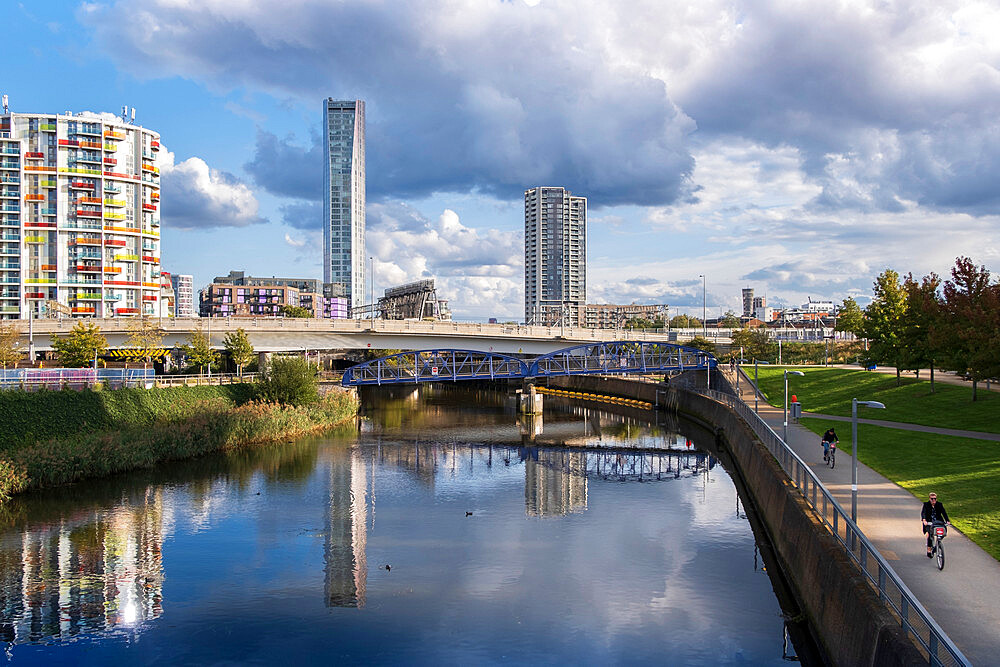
column 5, row 101
column 124, row 112
column 133, row 114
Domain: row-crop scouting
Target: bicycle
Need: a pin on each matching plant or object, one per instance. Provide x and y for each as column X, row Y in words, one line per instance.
column 832, row 456
column 939, row 530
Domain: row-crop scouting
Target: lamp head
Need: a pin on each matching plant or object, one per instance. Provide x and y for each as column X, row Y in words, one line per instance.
column 794, row 373
column 872, row 404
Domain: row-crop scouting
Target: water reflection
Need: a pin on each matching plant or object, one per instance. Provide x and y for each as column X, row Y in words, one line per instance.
column 615, row 520
column 89, row 572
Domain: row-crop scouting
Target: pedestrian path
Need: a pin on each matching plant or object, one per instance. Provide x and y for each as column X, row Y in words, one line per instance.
column 904, row 426
column 964, row 598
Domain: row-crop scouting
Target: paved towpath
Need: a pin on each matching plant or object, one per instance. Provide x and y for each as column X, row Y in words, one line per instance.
column 904, row 426
column 964, row 598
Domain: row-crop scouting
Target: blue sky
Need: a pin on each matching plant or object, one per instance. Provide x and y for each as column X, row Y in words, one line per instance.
column 796, row 147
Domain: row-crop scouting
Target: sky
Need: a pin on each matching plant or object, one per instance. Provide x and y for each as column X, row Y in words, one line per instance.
column 796, row 147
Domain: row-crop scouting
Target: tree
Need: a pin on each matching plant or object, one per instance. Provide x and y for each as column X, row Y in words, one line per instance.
column 144, row 338
column 883, row 320
column 290, row 381
column 81, row 346
column 729, row 320
column 239, row 348
column 294, row 311
column 199, row 351
column 970, row 343
column 10, row 344
column 684, row 322
column 850, row 318
column 920, row 322
column 756, row 343
column 701, row 344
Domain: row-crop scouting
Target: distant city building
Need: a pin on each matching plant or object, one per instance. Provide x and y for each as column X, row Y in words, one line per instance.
column 613, row 316
column 183, row 285
column 819, row 306
column 764, row 313
column 344, row 197
column 748, row 301
column 759, row 302
column 413, row 301
column 239, row 295
column 167, row 304
column 555, row 256
column 79, row 216
column 555, row 483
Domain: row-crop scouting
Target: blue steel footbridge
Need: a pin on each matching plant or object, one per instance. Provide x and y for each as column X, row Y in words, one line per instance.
column 454, row 364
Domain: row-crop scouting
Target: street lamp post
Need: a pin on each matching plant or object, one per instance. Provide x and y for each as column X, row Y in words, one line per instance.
column 371, row 264
column 854, row 451
column 704, row 306
column 784, row 432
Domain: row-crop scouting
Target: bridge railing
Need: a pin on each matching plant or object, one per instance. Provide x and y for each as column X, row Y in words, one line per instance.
column 914, row 618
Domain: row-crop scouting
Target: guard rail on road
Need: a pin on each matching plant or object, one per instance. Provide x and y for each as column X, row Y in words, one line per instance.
column 914, row 618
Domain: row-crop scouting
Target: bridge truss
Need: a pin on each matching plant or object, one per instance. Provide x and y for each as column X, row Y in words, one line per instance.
column 434, row 366
column 454, row 365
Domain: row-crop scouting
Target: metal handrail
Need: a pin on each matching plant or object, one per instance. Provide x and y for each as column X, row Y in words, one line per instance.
column 914, row 618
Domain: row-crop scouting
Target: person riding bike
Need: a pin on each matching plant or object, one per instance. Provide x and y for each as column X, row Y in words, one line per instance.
column 829, row 438
column 933, row 511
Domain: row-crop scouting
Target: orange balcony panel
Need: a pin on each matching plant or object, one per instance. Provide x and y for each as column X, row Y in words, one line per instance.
column 111, row 134
column 112, row 269
column 90, row 200
column 49, row 267
column 155, row 196
column 84, row 240
column 41, row 167
column 34, row 197
column 83, row 309
column 151, row 284
column 91, row 144
column 150, row 258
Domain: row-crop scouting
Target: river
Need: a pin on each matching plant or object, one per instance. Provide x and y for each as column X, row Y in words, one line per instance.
column 442, row 529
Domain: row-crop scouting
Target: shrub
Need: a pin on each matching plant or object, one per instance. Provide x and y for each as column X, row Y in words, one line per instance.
column 290, row 381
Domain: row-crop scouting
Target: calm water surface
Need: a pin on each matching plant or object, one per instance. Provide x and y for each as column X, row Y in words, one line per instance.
column 443, row 530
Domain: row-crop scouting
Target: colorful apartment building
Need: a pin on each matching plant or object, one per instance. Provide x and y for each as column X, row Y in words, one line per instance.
column 79, row 216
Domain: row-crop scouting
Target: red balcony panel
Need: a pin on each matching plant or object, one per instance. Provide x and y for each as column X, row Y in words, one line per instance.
column 149, row 297
column 69, row 142
column 154, row 144
column 149, row 207
column 40, row 224
column 88, row 214
column 110, row 160
column 34, row 155
column 127, row 311
column 88, row 269
column 115, row 242
column 34, row 295
column 82, row 185
column 124, row 283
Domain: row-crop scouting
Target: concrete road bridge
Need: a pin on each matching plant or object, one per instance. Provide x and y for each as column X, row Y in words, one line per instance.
column 295, row 335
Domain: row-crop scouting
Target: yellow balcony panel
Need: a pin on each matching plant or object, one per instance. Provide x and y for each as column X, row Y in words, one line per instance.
column 40, row 281
column 115, row 202
column 49, row 184
column 126, row 258
column 111, row 215
column 35, row 239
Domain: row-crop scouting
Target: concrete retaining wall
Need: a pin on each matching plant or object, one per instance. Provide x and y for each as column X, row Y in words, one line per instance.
column 848, row 620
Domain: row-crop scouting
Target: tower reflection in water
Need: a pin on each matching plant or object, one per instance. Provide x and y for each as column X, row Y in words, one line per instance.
column 93, row 572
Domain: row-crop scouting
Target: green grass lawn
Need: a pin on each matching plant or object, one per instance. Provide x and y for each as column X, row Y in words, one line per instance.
column 964, row 472
column 830, row 390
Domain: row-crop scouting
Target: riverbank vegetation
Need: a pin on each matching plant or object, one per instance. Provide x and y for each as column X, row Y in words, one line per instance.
column 53, row 438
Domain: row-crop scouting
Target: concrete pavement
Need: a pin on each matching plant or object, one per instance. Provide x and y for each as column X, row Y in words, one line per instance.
column 964, row 598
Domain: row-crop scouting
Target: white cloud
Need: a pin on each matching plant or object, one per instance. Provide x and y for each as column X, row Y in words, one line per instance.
column 197, row 196
column 295, row 243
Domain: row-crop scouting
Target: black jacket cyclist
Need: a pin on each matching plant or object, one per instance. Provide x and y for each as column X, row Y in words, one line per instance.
column 931, row 512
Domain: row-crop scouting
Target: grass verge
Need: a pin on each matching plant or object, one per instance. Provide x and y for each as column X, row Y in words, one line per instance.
column 181, row 431
column 830, row 390
column 965, row 473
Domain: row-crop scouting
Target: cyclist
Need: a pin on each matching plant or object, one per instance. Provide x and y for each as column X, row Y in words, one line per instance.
column 931, row 512
column 829, row 438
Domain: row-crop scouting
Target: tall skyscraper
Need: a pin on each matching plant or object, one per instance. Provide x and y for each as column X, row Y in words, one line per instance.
column 555, row 256
column 183, row 295
column 79, row 216
column 344, row 198
column 748, row 302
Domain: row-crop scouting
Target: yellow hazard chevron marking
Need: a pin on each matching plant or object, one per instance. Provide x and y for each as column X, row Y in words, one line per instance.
column 594, row 397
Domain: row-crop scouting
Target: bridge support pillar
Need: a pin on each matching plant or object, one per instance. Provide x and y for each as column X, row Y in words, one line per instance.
column 529, row 401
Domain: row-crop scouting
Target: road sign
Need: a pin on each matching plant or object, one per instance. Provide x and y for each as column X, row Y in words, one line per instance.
column 434, row 370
